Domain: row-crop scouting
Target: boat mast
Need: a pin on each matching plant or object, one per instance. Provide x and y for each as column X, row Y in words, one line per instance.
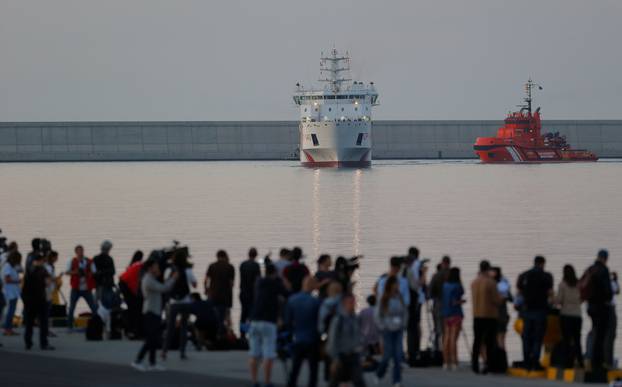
column 332, row 67
column 528, row 90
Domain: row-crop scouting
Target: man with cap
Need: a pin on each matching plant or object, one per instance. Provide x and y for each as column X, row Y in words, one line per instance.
column 104, row 269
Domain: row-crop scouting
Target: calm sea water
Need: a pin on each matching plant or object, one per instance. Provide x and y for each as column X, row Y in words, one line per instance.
column 504, row 213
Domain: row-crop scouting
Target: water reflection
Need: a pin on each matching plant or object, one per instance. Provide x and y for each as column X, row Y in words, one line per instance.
column 315, row 215
column 356, row 211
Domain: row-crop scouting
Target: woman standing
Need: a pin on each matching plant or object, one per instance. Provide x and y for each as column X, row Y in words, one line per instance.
column 391, row 317
column 152, row 290
column 569, row 301
column 452, row 317
column 11, row 277
column 504, row 289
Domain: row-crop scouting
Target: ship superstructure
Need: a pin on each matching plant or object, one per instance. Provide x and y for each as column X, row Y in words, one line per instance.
column 336, row 120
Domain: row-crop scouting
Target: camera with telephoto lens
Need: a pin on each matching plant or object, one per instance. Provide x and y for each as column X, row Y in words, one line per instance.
column 344, row 268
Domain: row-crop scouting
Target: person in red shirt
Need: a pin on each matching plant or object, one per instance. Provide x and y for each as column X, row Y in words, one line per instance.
column 129, row 284
column 80, row 269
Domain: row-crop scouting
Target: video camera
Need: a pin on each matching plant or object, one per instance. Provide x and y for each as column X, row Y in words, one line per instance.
column 164, row 256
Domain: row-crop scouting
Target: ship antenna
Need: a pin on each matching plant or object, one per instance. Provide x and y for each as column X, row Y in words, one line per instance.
column 528, row 90
column 331, row 68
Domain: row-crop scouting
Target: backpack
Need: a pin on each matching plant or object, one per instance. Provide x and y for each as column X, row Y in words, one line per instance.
column 95, row 328
column 586, row 284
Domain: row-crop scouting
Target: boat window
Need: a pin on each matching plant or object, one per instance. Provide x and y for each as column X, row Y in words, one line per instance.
column 314, row 139
column 359, row 139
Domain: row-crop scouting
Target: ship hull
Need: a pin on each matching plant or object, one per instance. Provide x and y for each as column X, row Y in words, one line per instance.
column 336, row 144
column 494, row 152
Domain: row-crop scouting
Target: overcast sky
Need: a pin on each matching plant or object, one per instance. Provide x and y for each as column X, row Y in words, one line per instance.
column 239, row 60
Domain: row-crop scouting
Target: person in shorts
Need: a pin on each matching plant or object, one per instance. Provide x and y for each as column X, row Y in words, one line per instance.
column 452, row 316
column 262, row 334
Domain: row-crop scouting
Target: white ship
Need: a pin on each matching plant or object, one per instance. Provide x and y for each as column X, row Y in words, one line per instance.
column 335, row 121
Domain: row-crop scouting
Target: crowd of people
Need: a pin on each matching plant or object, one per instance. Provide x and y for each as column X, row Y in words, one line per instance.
column 290, row 312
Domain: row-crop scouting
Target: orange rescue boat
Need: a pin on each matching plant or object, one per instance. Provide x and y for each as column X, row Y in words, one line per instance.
column 520, row 140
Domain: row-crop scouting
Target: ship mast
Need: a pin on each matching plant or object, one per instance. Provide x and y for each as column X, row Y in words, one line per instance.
column 332, row 67
column 528, row 90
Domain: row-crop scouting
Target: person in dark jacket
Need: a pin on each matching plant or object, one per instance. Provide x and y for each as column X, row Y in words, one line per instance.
column 219, row 285
column 599, row 304
column 206, row 323
column 262, row 335
column 536, row 288
column 295, row 273
column 104, row 270
column 249, row 272
column 34, row 296
column 180, row 303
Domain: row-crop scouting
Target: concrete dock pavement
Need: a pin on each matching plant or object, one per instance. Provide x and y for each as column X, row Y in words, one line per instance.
column 77, row 363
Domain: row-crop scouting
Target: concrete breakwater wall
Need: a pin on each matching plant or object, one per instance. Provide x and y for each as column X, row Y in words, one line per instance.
column 264, row 140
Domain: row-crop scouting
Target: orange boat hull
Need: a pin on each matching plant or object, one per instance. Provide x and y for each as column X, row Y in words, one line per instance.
column 496, row 150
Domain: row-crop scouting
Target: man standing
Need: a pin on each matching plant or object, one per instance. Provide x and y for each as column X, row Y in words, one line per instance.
column 283, row 261
column 324, row 274
column 296, row 272
column 536, row 288
column 34, row 295
column 415, row 273
column 81, row 270
column 219, row 285
column 436, row 294
column 596, row 286
column 104, row 274
column 486, row 301
column 344, row 345
column 262, row 335
column 249, row 272
column 301, row 314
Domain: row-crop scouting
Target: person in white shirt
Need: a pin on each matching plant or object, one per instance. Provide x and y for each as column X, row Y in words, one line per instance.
column 11, row 271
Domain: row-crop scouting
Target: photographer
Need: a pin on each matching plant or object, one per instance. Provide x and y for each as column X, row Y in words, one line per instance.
column 81, row 270
column 344, row 268
column 152, row 290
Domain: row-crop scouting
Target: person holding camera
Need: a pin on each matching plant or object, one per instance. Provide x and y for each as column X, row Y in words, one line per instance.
column 11, row 271
column 81, row 270
column 180, row 303
column 152, row 290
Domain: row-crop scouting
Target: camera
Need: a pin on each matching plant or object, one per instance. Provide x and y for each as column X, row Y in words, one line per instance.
column 45, row 246
column 344, row 268
column 3, row 245
column 164, row 256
